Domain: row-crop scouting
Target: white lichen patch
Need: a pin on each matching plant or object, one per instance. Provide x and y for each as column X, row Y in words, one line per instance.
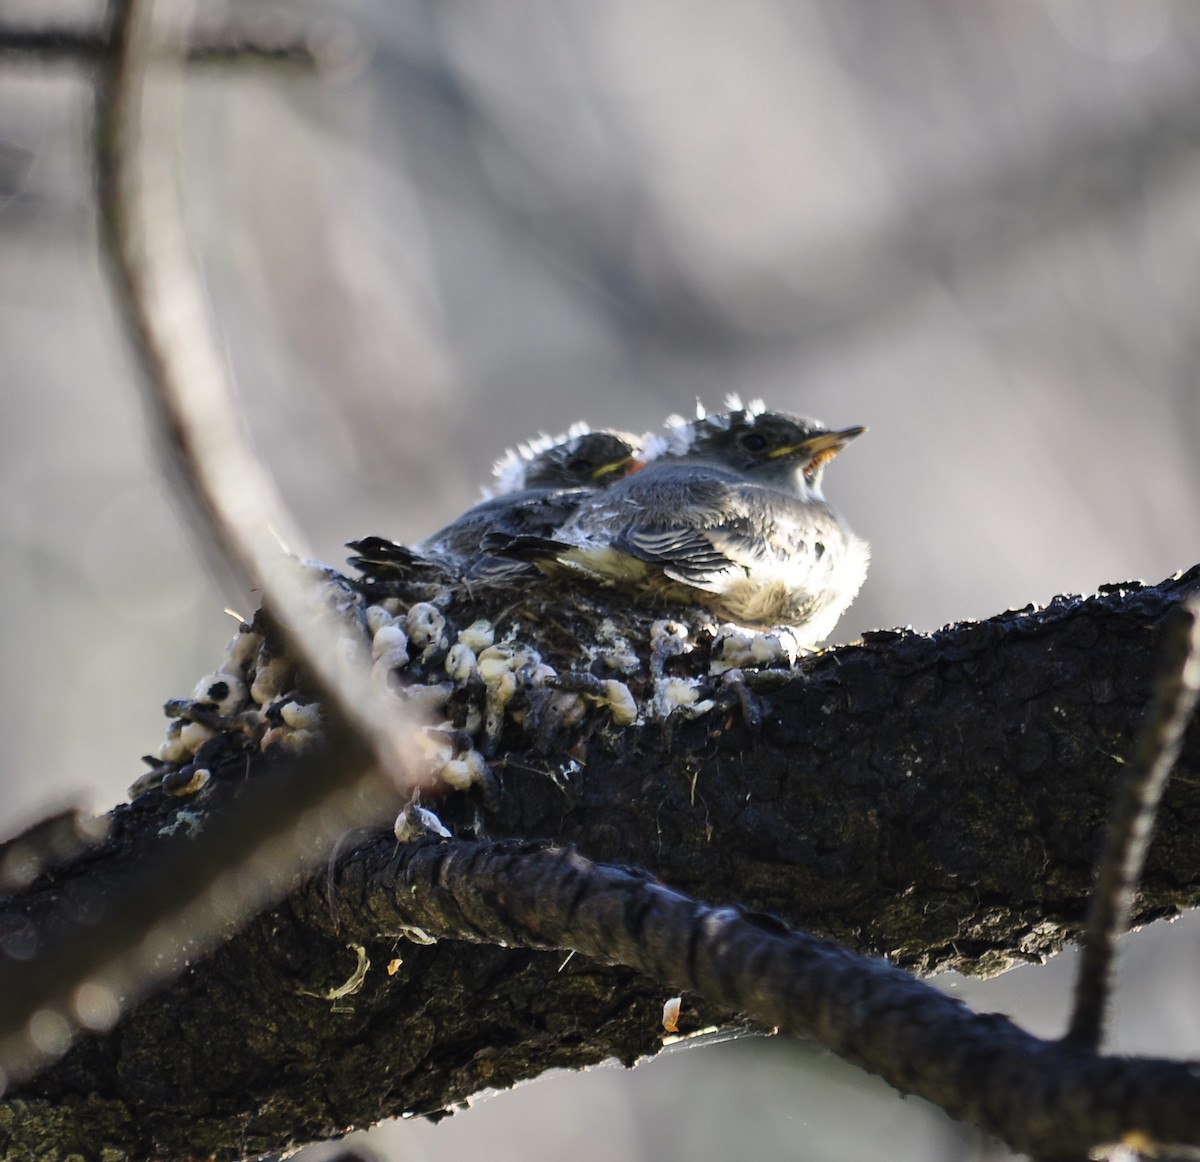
column 222, row 692
column 351, row 985
column 683, row 694
column 242, row 650
column 389, row 654
column 736, row 647
column 468, row 684
column 378, row 616
column 478, row 636
column 416, row 935
column 434, row 748
column 254, row 695
column 189, row 822
column 301, row 715
column 614, row 649
column 445, row 762
column 731, row 649
column 272, row 677
column 773, row 647
column 496, row 661
column 670, row 1014
column 467, row 770
column 503, row 667
column 665, row 630
column 193, row 735
column 173, row 749
column 668, row 639
column 194, row 781
column 499, row 694
column 416, row 821
column 461, row 663
column 296, row 741
column 621, row 703
column 150, row 781
column 329, row 591
column 425, row 624
column 389, row 644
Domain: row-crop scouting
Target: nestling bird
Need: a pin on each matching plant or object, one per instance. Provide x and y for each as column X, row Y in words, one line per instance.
column 728, row 513
column 540, row 485
column 582, row 458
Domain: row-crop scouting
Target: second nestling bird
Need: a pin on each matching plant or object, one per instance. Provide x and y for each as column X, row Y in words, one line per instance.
column 540, row 485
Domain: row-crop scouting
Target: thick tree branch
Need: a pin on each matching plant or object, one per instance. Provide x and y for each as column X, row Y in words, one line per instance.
column 938, row 798
column 1043, row 1098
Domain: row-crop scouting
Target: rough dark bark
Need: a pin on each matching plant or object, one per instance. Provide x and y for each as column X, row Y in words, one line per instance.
column 935, row 798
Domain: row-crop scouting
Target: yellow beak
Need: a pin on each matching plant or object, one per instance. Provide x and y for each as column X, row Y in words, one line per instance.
column 622, row 466
column 819, row 449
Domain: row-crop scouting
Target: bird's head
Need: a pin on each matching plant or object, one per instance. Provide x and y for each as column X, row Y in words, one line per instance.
column 776, row 449
column 580, row 459
column 590, row 460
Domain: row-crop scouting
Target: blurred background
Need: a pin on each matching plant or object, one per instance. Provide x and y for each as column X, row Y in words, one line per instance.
column 975, row 229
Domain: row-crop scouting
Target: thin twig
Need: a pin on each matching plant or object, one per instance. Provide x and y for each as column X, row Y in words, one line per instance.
column 75, row 47
column 1132, row 825
column 244, row 860
column 165, row 312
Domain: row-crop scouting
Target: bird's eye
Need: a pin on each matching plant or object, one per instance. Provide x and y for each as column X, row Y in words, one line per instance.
column 581, row 467
column 753, row 442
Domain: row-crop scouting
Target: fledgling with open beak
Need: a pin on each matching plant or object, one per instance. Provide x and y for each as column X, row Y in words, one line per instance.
column 538, row 488
column 727, row 513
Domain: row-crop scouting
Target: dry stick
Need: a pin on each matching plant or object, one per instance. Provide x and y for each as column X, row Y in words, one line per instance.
column 1132, row 825
column 201, row 888
column 70, row 46
column 165, row 312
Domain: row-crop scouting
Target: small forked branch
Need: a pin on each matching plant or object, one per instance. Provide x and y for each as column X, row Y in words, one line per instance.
column 1132, row 825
